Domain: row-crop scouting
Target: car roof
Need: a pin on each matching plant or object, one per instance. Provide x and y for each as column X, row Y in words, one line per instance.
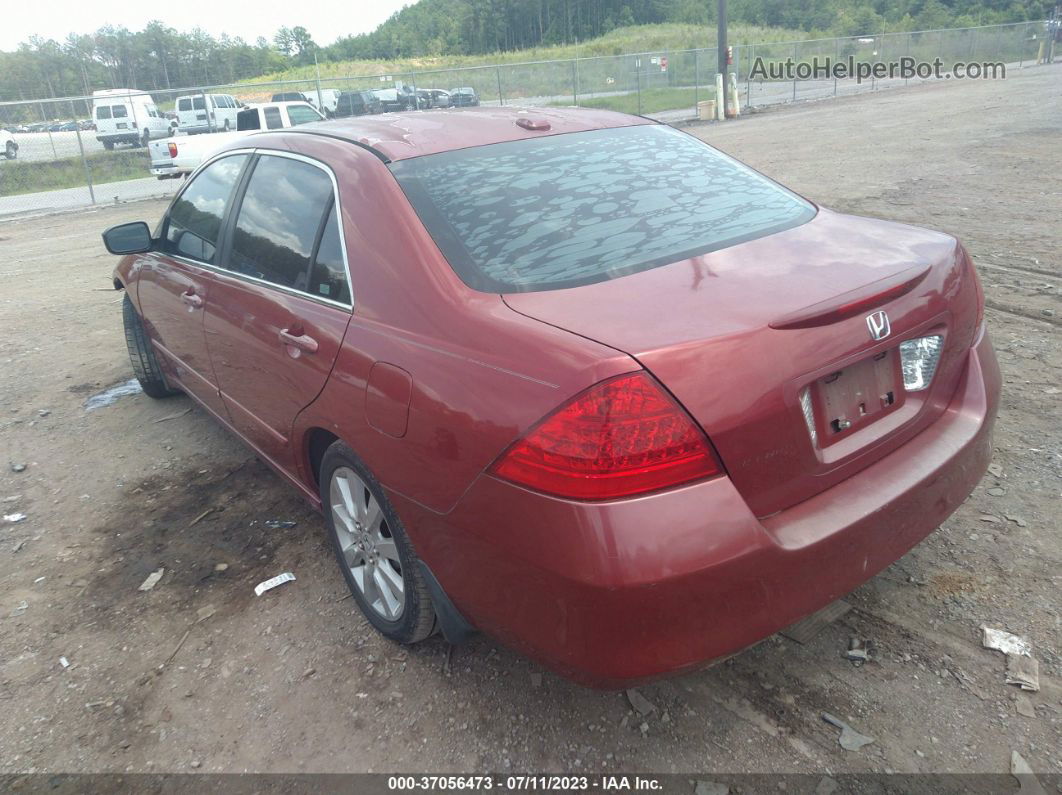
column 399, row 136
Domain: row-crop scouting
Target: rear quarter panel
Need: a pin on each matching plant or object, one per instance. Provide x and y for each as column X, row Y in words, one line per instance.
column 481, row 373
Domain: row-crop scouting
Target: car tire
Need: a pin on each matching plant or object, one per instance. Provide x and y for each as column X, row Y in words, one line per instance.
column 108, row 145
column 227, row 125
column 11, row 150
column 145, row 139
column 142, row 355
column 374, row 553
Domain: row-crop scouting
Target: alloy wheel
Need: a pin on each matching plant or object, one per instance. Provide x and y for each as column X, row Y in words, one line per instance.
column 368, row 548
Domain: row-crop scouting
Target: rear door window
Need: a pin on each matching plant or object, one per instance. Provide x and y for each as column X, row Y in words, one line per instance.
column 119, row 111
column 103, row 112
column 194, row 222
column 565, row 210
column 328, row 276
column 184, row 104
column 280, row 222
column 198, row 103
column 273, row 119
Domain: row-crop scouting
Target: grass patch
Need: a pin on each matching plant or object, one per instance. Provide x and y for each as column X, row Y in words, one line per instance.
column 634, row 39
column 19, row 177
column 653, row 100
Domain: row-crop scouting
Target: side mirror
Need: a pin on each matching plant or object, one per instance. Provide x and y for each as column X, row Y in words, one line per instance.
column 131, row 238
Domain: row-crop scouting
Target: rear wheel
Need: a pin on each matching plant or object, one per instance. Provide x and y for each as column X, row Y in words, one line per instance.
column 374, row 553
column 142, row 355
column 108, row 145
column 11, row 150
column 145, row 139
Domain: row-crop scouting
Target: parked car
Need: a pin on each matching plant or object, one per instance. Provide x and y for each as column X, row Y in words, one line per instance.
column 125, row 115
column 357, row 103
column 181, row 155
column 8, row 145
column 400, row 98
column 290, row 96
column 205, row 113
column 434, row 98
column 444, row 362
column 464, row 97
column 37, row 127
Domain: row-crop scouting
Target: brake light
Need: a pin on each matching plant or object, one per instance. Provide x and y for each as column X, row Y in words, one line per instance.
column 622, row 437
column 173, row 149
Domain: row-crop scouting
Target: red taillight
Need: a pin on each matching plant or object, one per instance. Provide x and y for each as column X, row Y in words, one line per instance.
column 173, row 149
column 622, row 437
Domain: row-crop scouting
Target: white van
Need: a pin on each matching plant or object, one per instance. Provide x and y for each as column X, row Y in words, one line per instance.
column 192, row 113
column 125, row 115
column 329, row 100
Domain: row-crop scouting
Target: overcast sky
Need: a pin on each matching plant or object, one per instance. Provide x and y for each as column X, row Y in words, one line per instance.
column 326, row 20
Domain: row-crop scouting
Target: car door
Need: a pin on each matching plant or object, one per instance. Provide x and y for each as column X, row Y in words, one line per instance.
column 280, row 302
column 173, row 288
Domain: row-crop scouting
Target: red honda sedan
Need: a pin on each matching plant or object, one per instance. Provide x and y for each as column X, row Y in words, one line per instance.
column 568, row 377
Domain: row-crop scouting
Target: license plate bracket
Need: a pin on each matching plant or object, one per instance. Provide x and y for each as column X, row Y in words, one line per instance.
column 857, row 395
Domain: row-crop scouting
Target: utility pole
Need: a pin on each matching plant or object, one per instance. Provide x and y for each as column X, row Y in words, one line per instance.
column 721, row 69
column 721, row 41
column 317, row 71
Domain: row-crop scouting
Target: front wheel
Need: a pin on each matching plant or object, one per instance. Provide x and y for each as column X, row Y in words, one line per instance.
column 142, row 355
column 11, row 150
column 374, row 553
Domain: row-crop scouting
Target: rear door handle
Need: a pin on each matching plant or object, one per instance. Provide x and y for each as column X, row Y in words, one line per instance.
column 300, row 341
column 192, row 300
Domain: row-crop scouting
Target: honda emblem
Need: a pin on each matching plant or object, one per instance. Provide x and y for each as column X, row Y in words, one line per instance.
column 878, row 325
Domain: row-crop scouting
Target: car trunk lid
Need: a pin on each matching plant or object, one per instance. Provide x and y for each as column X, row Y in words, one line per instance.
column 767, row 344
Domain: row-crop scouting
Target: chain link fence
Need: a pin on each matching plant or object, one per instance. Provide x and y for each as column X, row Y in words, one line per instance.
column 52, row 158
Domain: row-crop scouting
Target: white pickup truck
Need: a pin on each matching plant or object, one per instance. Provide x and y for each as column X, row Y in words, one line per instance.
column 182, row 154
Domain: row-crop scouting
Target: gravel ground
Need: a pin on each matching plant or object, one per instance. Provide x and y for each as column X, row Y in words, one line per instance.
column 200, row 675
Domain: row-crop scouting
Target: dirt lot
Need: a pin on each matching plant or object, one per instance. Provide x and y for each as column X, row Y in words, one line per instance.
column 297, row 681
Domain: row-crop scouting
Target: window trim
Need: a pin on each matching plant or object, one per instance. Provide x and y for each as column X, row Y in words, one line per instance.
column 229, row 221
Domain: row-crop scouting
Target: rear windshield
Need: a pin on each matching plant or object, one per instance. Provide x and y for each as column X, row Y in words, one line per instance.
column 566, row 210
column 103, row 112
column 118, row 111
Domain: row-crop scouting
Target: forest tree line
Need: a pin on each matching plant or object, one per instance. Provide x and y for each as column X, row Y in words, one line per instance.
column 159, row 57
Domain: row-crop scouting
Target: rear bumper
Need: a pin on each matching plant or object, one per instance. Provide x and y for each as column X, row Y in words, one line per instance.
column 164, row 171
column 615, row 593
column 131, row 137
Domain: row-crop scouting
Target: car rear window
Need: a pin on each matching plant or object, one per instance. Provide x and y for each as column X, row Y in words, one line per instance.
column 567, row 210
column 119, row 111
column 103, row 112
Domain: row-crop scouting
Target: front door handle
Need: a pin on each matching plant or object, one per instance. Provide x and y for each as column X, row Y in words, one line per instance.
column 192, row 300
column 300, row 341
